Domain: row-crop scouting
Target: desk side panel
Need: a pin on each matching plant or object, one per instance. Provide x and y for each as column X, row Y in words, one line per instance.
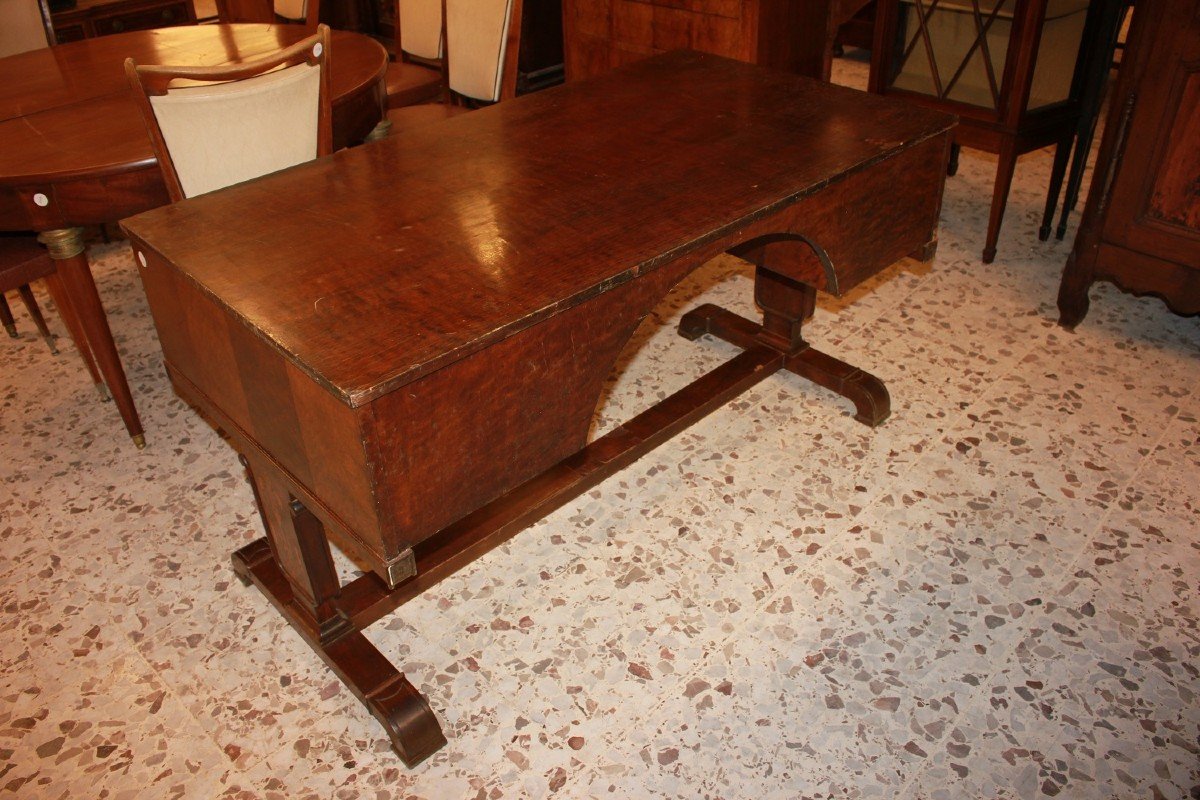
column 469, row 432
column 272, row 411
column 865, row 222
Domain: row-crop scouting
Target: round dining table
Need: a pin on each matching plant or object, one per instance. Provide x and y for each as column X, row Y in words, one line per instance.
column 75, row 152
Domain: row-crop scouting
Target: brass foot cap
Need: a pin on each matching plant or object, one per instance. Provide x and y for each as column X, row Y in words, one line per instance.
column 139, row 441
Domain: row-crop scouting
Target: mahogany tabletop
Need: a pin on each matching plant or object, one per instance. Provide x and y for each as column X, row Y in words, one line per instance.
column 67, row 113
column 377, row 265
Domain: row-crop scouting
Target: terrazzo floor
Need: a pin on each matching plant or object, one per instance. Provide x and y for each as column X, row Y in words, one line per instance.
column 992, row 595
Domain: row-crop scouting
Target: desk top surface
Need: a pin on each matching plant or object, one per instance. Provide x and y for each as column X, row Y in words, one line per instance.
column 67, row 111
column 377, row 265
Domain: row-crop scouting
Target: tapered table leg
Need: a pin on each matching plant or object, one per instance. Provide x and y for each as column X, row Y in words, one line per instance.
column 67, row 249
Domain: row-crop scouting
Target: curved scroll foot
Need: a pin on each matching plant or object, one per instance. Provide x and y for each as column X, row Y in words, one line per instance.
column 408, row 720
column 871, row 400
column 375, row 681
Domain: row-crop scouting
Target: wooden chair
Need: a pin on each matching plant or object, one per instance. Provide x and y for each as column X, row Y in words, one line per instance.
column 227, row 125
column 303, row 12
column 483, row 42
column 416, row 76
column 22, row 261
column 26, row 26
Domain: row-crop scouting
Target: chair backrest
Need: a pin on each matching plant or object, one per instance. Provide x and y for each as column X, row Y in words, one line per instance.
column 301, row 11
column 483, row 39
column 419, row 29
column 24, row 25
column 225, row 125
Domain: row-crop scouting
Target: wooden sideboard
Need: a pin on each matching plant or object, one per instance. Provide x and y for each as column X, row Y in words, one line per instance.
column 794, row 35
column 1141, row 226
column 91, row 18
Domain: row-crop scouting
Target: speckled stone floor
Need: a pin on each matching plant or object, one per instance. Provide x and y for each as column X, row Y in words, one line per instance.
column 992, row 595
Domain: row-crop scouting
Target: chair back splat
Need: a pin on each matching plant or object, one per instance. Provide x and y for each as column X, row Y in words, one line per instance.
column 419, row 29
column 212, row 127
column 483, row 45
column 24, row 25
column 303, row 12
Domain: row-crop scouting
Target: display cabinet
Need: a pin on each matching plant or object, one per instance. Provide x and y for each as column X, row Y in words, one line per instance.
column 1008, row 68
column 1141, row 226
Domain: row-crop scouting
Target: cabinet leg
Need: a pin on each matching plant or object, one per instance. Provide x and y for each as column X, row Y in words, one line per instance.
column 1004, row 175
column 1073, row 302
column 1062, row 154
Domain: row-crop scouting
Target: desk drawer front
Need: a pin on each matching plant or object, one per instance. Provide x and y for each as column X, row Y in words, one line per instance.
column 145, row 19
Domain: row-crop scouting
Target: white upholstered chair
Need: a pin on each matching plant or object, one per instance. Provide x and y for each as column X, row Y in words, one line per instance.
column 416, row 75
column 223, row 125
column 483, row 42
column 24, row 25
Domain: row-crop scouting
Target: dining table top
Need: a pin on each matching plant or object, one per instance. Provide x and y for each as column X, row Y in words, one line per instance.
column 68, row 112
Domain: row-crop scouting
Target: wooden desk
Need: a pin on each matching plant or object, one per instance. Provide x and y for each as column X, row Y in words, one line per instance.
column 416, row 379
column 75, row 150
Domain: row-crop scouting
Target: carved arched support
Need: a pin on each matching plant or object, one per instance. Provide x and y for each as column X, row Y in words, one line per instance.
column 404, row 714
column 786, row 303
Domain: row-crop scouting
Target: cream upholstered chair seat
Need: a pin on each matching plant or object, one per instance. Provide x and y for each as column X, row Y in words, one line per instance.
column 212, row 127
column 409, row 83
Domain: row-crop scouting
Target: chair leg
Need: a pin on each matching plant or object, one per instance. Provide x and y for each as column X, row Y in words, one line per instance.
column 36, row 313
column 6, row 317
column 75, row 330
column 1004, row 175
column 1062, row 154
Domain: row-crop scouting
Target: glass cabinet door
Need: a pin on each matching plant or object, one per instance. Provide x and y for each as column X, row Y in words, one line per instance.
column 956, row 50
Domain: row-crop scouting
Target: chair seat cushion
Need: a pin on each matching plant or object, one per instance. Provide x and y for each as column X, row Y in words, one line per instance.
column 22, row 260
column 409, row 84
column 411, row 117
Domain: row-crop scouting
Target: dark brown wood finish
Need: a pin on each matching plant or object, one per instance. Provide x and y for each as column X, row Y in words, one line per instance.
column 91, row 18
column 1141, row 226
column 794, row 35
column 76, row 151
column 455, row 409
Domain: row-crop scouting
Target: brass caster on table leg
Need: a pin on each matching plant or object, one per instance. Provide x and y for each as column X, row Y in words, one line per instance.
column 139, row 441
